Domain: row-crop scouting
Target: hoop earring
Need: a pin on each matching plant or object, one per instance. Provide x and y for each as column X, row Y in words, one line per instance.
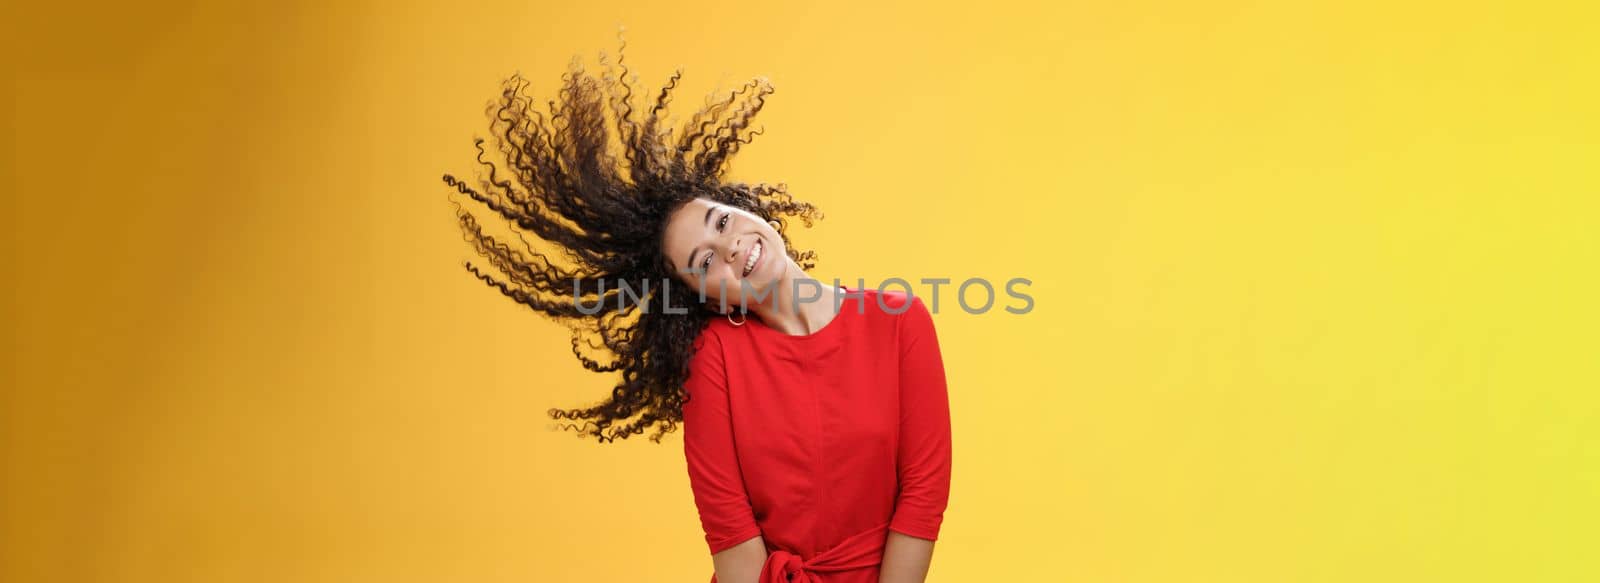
column 739, row 322
column 776, row 226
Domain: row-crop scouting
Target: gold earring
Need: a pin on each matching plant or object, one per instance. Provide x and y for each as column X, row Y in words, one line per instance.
column 739, row 322
column 776, row 226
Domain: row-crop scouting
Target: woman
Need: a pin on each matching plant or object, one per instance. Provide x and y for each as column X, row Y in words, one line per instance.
column 816, row 421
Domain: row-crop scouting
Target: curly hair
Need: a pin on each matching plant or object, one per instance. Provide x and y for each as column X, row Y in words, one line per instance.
column 560, row 180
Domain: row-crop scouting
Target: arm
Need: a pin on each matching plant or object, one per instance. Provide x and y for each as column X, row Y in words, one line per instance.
column 905, row 559
column 732, row 535
column 924, row 458
column 742, row 562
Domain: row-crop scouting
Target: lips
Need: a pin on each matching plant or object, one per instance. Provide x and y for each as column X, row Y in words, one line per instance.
column 753, row 258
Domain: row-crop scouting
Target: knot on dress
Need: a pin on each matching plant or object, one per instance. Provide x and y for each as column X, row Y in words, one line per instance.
column 857, row 551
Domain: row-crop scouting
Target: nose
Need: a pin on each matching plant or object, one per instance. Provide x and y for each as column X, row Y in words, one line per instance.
column 730, row 248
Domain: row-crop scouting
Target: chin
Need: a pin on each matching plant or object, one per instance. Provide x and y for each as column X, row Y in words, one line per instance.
column 765, row 282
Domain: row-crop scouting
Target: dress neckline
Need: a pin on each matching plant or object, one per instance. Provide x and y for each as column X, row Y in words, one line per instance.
column 827, row 330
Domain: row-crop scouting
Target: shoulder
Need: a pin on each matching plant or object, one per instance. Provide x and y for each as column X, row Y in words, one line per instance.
column 893, row 303
column 705, row 365
column 708, row 335
column 708, row 343
column 901, row 306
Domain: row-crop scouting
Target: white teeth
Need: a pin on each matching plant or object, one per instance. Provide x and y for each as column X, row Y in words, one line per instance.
column 752, row 256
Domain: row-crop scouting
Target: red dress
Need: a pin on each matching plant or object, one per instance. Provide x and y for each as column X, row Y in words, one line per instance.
column 821, row 443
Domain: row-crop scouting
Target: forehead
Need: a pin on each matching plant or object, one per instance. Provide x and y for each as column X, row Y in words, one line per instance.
column 686, row 226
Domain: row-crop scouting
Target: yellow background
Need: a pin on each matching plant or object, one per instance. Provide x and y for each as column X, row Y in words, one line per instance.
column 1314, row 285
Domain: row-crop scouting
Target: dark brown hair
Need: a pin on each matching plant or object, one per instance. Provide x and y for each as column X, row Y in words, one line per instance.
column 560, row 180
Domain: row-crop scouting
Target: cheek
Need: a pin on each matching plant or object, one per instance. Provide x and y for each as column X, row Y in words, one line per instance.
column 720, row 275
column 722, row 278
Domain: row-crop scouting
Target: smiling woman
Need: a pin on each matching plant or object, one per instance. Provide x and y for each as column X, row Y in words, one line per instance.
column 817, row 437
column 727, row 254
column 555, row 179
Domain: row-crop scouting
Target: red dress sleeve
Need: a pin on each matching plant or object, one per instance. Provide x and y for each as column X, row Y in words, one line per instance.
column 923, row 462
column 708, row 446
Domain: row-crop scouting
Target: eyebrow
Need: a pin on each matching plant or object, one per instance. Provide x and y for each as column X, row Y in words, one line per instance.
column 690, row 263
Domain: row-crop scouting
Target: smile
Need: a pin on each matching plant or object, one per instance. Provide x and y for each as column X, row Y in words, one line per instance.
column 752, row 258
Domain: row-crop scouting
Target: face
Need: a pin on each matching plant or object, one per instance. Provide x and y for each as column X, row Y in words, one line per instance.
column 729, row 246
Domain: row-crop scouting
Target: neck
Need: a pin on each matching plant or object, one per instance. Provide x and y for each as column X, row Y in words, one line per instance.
column 799, row 305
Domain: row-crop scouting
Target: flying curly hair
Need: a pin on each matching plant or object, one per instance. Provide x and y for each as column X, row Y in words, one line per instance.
column 561, row 180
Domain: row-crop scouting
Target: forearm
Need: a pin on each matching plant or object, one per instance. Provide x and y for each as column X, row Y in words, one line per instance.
column 905, row 559
column 741, row 563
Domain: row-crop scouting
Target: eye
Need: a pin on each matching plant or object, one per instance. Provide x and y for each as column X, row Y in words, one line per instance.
column 705, row 264
column 723, row 222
